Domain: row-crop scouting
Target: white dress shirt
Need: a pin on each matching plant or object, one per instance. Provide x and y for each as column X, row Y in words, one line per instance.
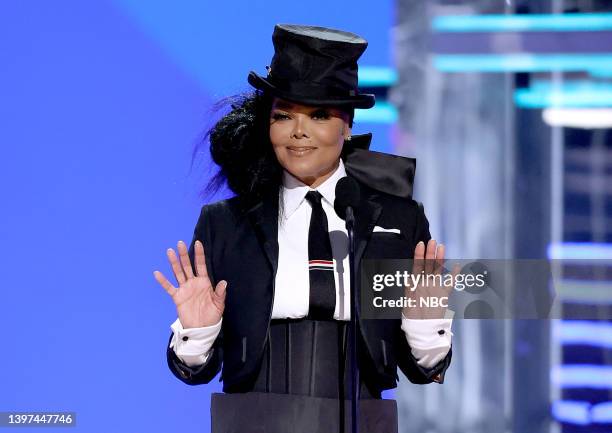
column 291, row 295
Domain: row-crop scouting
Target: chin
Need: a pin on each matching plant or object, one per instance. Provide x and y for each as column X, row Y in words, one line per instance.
column 301, row 172
column 299, row 164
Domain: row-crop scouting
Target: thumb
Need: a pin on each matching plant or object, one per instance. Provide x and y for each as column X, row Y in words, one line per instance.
column 220, row 290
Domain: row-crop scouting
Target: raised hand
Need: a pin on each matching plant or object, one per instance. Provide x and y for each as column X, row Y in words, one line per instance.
column 429, row 261
column 197, row 304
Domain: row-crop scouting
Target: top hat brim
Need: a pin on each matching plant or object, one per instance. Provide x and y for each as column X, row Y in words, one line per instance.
column 363, row 100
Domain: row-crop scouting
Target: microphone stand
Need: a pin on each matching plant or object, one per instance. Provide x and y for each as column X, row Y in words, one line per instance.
column 350, row 224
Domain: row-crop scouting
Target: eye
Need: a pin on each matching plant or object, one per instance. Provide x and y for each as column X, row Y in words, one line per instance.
column 321, row 114
column 279, row 116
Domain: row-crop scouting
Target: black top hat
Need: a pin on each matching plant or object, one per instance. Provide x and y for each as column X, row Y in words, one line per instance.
column 314, row 66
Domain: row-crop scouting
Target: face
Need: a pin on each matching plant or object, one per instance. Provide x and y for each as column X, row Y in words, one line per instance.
column 307, row 140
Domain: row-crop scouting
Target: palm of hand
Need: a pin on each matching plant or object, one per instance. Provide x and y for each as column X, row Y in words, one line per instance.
column 197, row 303
column 428, row 262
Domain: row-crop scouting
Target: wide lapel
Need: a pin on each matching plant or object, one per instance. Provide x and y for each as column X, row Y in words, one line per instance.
column 264, row 218
column 366, row 216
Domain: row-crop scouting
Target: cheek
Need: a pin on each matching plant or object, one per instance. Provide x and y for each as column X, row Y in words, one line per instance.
column 278, row 140
column 330, row 149
column 277, row 135
column 329, row 136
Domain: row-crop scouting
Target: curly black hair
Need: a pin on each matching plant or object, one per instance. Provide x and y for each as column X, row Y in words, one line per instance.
column 240, row 146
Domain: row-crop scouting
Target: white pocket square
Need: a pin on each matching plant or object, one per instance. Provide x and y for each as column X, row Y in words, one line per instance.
column 380, row 229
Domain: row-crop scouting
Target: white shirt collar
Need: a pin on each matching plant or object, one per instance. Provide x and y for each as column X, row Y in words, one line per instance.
column 295, row 190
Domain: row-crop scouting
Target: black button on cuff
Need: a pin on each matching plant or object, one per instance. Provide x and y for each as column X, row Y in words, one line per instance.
column 440, row 332
column 187, row 338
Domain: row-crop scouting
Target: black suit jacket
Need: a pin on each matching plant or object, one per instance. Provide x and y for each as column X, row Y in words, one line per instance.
column 241, row 247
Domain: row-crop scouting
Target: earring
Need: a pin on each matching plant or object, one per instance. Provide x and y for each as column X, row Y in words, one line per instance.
column 348, row 138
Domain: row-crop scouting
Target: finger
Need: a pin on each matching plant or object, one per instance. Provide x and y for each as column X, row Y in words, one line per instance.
column 220, row 290
column 200, row 260
column 430, row 255
column 185, row 262
column 163, row 281
column 176, row 267
column 219, row 294
column 456, row 269
column 439, row 262
column 419, row 255
column 455, row 272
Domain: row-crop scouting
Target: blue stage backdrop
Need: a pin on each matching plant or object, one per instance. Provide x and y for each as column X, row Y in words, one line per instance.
column 101, row 103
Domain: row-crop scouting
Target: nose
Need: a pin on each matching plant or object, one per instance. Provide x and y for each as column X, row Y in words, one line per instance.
column 299, row 130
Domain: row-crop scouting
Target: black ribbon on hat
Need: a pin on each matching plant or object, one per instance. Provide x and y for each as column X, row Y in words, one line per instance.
column 391, row 174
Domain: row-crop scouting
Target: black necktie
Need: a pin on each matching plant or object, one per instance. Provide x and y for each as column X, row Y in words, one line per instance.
column 320, row 262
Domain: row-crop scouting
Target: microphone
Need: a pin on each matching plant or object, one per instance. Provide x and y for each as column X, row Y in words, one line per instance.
column 347, row 197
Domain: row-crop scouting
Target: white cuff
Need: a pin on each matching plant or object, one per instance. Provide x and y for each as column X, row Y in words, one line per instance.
column 192, row 345
column 428, row 346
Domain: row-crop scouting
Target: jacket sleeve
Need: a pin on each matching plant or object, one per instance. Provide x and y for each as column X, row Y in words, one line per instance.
column 407, row 361
column 201, row 374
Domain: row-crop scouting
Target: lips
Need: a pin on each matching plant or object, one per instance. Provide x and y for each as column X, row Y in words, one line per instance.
column 300, row 150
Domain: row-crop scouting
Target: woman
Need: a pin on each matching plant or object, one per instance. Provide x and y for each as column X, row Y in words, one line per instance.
column 263, row 289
